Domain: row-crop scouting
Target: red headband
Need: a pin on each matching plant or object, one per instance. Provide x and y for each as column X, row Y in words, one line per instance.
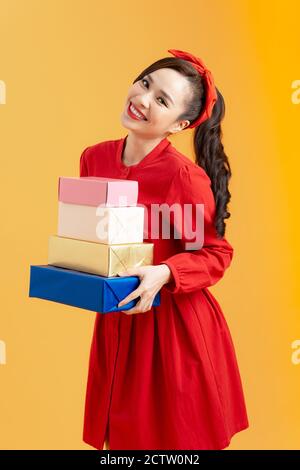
column 211, row 94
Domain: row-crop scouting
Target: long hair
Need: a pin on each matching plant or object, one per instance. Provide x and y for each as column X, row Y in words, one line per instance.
column 208, row 147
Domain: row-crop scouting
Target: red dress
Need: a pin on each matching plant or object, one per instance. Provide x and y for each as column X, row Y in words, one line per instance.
column 167, row 378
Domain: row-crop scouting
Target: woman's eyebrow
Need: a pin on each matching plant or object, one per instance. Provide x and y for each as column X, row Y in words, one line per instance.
column 161, row 91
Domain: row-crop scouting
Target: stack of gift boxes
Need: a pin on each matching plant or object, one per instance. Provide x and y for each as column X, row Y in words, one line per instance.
column 100, row 233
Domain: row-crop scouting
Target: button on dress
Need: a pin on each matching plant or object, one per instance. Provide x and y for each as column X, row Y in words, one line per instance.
column 167, row 378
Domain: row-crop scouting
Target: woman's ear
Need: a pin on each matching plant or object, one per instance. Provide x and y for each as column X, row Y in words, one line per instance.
column 186, row 124
column 181, row 125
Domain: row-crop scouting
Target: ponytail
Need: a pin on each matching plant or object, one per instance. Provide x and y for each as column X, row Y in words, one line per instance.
column 211, row 157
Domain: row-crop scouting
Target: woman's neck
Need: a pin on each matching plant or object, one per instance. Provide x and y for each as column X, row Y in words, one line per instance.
column 137, row 148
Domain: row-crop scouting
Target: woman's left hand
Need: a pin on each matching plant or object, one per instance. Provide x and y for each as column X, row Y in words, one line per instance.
column 152, row 279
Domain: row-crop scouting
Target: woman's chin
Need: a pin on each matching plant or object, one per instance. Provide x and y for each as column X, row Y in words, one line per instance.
column 127, row 122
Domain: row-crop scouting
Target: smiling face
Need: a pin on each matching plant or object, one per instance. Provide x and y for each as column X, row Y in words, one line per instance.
column 161, row 98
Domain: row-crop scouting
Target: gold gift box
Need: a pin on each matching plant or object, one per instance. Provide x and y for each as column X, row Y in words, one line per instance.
column 98, row 258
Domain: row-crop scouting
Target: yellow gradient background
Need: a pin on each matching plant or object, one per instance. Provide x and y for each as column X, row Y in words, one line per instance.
column 67, row 66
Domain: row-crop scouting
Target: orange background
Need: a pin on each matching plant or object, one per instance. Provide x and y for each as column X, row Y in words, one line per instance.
column 67, row 66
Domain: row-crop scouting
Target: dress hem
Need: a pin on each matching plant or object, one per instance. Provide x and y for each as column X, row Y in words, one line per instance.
column 223, row 445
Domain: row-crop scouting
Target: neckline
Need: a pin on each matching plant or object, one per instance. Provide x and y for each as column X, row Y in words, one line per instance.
column 149, row 156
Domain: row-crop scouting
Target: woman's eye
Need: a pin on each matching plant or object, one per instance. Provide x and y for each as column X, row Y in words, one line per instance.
column 144, row 80
column 163, row 101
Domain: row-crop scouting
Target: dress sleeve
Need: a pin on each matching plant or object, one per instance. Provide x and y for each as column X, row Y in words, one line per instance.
column 83, row 170
column 204, row 264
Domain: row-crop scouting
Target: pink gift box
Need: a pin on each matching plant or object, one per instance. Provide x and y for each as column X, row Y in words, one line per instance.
column 93, row 191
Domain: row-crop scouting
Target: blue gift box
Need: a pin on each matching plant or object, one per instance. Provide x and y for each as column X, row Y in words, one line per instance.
column 80, row 289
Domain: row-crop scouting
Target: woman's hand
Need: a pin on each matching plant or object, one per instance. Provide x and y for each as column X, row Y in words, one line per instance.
column 152, row 279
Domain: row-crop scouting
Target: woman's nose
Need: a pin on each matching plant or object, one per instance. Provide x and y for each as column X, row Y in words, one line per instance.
column 143, row 101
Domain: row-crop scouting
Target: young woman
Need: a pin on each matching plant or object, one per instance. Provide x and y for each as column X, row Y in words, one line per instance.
column 167, row 377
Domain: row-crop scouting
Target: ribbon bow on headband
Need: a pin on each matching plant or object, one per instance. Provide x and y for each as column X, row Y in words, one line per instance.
column 211, row 94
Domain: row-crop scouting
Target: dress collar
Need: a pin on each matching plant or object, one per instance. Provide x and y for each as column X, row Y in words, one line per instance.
column 157, row 150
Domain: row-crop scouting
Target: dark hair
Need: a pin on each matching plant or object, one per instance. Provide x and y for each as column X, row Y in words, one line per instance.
column 208, row 146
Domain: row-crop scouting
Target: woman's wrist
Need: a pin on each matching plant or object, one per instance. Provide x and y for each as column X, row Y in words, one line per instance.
column 167, row 272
